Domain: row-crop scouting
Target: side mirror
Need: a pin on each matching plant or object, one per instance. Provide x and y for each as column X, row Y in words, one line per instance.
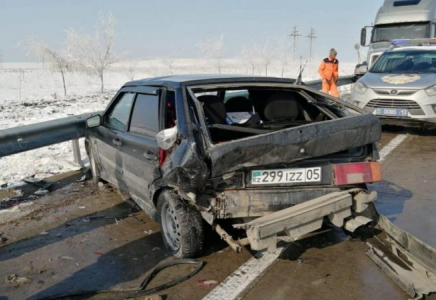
column 94, row 121
column 363, row 37
column 361, row 69
column 166, row 138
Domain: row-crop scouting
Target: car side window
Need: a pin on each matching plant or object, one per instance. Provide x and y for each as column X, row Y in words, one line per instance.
column 145, row 116
column 118, row 116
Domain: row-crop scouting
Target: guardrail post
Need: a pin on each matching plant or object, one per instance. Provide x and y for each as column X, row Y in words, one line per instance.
column 76, row 153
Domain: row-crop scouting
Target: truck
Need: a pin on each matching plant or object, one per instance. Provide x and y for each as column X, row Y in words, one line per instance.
column 398, row 19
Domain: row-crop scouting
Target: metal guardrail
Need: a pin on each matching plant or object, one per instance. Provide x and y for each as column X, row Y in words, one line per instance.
column 33, row 136
column 29, row 137
column 345, row 80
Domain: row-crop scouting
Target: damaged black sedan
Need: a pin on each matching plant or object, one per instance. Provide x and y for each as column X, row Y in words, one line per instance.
column 272, row 156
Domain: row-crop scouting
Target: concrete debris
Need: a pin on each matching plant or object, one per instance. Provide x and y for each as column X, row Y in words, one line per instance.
column 206, row 283
column 14, row 279
column 357, row 222
column 3, row 239
column 19, row 193
column 101, row 186
column 66, row 258
column 82, row 179
column 39, row 183
column 41, row 192
column 44, row 233
column 148, row 232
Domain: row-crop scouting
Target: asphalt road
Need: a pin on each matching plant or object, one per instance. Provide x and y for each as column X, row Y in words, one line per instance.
column 80, row 237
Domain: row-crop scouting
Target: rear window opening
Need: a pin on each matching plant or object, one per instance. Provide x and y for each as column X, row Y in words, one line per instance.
column 235, row 113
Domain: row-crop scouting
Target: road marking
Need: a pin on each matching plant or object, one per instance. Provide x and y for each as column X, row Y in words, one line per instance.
column 391, row 146
column 251, row 272
column 244, row 277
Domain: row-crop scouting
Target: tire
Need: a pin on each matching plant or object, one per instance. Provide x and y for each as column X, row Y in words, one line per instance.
column 95, row 171
column 181, row 226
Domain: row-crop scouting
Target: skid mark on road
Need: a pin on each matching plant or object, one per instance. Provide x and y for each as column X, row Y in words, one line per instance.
column 234, row 286
column 391, row 146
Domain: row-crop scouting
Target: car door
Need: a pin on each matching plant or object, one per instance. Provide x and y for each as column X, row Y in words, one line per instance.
column 140, row 149
column 109, row 138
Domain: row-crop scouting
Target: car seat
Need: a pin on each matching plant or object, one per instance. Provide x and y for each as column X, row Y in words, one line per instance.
column 281, row 106
column 239, row 104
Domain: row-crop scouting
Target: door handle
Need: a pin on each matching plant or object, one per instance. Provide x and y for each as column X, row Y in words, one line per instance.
column 149, row 155
column 116, row 142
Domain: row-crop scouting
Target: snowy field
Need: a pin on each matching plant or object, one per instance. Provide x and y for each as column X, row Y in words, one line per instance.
column 30, row 94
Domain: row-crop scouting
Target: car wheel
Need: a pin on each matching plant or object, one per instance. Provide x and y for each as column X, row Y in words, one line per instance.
column 95, row 171
column 182, row 226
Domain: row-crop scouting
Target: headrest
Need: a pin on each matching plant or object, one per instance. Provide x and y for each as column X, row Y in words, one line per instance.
column 214, row 109
column 282, row 105
column 239, row 104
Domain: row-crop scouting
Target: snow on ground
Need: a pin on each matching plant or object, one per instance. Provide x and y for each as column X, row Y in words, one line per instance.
column 30, row 94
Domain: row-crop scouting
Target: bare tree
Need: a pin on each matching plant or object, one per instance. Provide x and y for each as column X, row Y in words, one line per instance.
column 249, row 57
column 283, row 54
column 170, row 59
column 21, row 79
column 132, row 69
column 266, row 53
column 95, row 53
column 214, row 48
column 56, row 61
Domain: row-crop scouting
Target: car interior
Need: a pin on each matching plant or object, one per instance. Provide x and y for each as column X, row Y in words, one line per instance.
column 259, row 111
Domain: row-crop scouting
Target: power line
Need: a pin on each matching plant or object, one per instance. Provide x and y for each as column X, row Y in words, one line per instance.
column 295, row 36
column 311, row 36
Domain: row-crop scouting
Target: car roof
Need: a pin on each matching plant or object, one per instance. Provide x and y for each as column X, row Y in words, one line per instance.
column 179, row 80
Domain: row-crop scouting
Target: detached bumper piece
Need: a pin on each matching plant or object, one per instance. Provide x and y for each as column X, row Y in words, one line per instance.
column 340, row 208
column 408, row 261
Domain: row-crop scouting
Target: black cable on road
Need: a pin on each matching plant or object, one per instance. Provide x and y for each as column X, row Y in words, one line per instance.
column 141, row 291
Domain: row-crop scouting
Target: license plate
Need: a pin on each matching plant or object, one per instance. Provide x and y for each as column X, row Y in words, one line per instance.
column 391, row 112
column 286, row 176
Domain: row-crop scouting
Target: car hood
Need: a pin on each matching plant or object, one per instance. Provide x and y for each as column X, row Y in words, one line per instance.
column 398, row 81
column 295, row 144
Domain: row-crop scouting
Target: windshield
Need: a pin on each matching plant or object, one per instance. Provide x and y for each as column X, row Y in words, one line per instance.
column 406, row 62
column 387, row 33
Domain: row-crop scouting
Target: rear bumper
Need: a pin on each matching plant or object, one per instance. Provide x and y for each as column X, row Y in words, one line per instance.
column 338, row 207
column 260, row 202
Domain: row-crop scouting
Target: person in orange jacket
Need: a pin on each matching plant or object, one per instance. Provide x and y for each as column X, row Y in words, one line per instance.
column 329, row 71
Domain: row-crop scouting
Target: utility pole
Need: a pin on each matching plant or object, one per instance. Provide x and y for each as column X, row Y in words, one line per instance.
column 295, row 36
column 311, row 36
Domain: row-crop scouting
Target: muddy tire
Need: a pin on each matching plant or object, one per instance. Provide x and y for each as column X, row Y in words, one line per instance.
column 181, row 226
column 95, row 171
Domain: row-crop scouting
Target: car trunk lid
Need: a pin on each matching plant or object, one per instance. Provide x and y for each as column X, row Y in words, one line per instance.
column 295, row 144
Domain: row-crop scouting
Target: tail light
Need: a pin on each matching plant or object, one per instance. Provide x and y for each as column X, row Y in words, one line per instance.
column 162, row 156
column 354, row 173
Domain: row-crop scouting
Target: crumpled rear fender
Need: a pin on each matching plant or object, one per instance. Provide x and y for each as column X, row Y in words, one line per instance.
column 185, row 170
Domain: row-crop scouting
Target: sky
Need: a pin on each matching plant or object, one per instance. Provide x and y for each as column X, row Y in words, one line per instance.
column 149, row 29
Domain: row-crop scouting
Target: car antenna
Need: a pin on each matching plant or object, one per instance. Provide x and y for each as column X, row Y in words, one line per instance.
column 299, row 79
